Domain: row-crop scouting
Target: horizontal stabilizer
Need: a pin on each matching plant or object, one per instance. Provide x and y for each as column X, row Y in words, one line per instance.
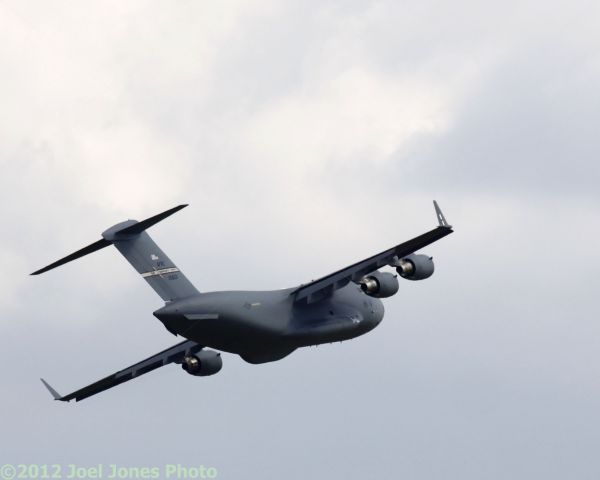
column 74, row 256
column 139, row 227
column 115, row 233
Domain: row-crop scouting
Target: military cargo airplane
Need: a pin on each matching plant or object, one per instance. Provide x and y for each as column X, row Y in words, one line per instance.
column 258, row 326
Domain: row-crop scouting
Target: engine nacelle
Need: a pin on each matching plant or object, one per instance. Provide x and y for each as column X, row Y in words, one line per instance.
column 415, row 267
column 202, row 363
column 379, row 284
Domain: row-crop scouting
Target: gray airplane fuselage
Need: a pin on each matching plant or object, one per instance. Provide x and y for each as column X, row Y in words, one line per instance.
column 264, row 326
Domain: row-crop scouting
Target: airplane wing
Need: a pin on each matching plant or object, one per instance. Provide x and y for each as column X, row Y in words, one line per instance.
column 175, row 354
column 324, row 287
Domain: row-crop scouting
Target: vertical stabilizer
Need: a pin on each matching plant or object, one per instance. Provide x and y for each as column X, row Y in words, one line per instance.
column 155, row 267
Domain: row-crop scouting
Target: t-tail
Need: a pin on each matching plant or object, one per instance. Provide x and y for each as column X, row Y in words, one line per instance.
column 131, row 239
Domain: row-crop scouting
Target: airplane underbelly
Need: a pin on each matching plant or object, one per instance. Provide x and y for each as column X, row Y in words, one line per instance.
column 329, row 330
column 235, row 335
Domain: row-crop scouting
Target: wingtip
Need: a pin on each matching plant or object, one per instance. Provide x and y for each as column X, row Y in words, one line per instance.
column 440, row 216
column 54, row 393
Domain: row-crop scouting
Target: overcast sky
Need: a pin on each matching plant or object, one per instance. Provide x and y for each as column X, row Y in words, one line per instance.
column 306, row 136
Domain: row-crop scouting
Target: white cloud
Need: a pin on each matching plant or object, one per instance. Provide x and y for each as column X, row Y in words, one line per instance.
column 68, row 77
column 355, row 113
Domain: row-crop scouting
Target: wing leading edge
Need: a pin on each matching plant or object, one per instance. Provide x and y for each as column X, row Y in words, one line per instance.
column 174, row 354
column 325, row 286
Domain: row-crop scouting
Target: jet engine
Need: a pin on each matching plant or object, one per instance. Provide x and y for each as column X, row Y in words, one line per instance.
column 202, row 363
column 415, row 267
column 379, row 284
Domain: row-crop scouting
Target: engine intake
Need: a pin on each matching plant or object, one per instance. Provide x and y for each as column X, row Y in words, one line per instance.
column 379, row 284
column 415, row 267
column 202, row 363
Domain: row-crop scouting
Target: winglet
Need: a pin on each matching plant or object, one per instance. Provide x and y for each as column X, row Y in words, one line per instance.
column 441, row 219
column 55, row 394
